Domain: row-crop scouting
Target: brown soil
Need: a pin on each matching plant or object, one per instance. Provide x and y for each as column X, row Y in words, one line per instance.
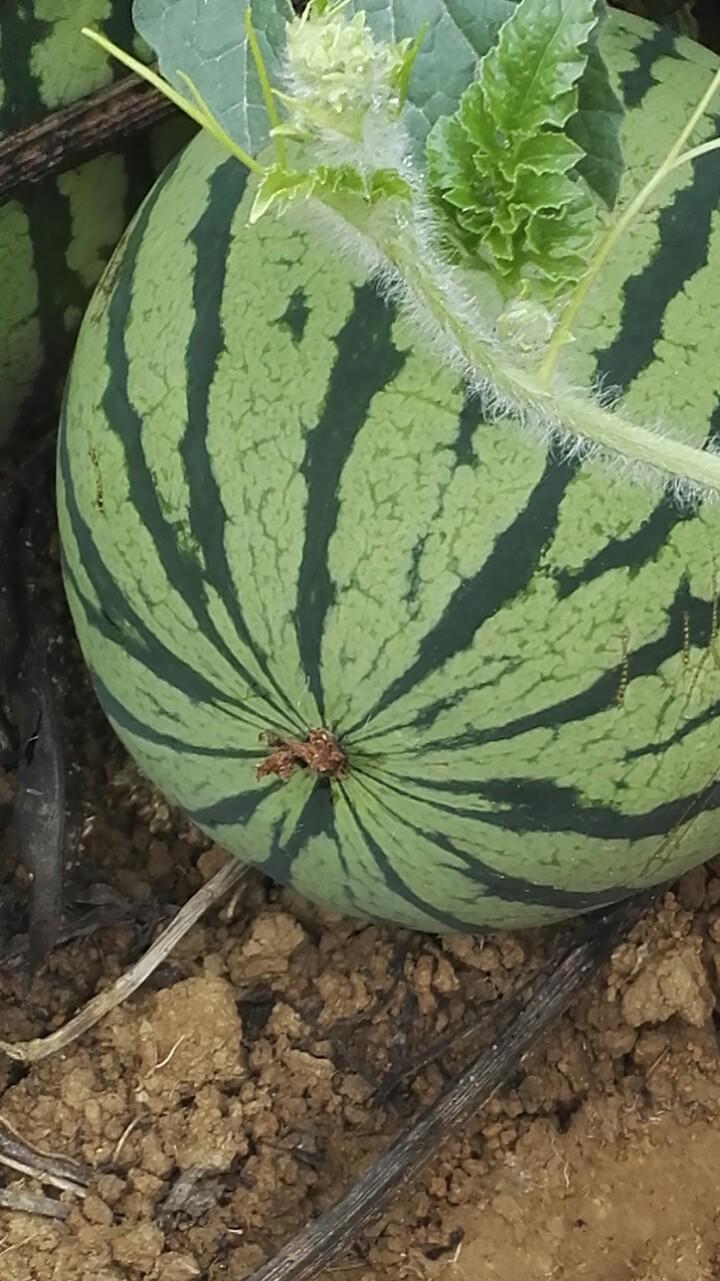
column 267, row 1062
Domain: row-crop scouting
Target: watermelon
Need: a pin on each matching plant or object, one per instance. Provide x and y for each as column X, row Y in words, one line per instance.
column 55, row 239
column 407, row 660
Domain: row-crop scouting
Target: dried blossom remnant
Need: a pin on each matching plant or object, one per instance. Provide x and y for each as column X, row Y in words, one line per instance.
column 319, row 752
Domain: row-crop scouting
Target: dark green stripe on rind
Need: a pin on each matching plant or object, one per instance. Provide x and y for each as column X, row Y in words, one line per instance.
column 635, row 549
column 236, row 809
column 316, row 819
column 61, row 290
column 646, row 296
column 388, row 874
column 481, row 879
column 685, row 730
column 503, row 576
column 470, row 419
column 21, row 31
column 679, row 255
column 46, row 210
column 126, row 722
column 366, row 362
column 184, row 573
column 541, row 805
column 208, row 518
column 118, row 26
column 73, row 219
column 601, row 693
column 118, row 621
column 636, row 84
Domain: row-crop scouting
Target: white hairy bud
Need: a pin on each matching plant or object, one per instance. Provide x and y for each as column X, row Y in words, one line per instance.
column 337, row 73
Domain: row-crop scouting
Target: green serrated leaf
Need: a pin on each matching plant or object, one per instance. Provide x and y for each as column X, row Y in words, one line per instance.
column 383, row 184
column 529, row 79
column 207, row 42
column 278, row 185
column 502, row 171
column 556, row 242
column 387, row 184
column 459, row 34
column 404, row 71
column 338, row 180
column 547, row 153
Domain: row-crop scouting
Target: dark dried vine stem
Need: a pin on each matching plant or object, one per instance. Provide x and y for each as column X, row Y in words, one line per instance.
column 325, row 1238
column 73, row 134
column 47, row 1167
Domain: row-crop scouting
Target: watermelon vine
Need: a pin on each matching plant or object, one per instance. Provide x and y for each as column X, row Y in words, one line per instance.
column 493, row 239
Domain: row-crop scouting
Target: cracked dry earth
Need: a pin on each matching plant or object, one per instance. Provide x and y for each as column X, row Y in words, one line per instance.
column 268, row 1061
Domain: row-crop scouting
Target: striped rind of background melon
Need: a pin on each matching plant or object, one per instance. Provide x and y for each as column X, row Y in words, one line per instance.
column 277, row 513
column 55, row 239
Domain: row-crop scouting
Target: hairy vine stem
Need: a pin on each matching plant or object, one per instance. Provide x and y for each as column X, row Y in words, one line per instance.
column 396, row 238
column 419, row 277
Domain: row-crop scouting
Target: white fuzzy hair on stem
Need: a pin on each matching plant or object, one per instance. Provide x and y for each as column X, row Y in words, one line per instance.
column 346, row 115
column 543, row 411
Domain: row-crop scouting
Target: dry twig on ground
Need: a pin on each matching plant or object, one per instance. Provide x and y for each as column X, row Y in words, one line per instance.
column 41, row 1047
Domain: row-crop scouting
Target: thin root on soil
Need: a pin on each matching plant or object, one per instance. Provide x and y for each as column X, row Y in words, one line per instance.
column 227, row 879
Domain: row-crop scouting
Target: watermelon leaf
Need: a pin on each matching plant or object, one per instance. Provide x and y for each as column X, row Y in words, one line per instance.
column 208, row 43
column 501, row 170
column 279, row 186
column 529, row 79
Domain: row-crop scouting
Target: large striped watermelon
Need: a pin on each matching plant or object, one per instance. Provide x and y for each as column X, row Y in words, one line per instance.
column 279, row 515
column 56, row 239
